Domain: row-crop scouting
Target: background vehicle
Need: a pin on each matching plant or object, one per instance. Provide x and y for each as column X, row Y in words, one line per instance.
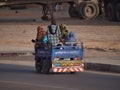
column 112, row 9
column 86, row 9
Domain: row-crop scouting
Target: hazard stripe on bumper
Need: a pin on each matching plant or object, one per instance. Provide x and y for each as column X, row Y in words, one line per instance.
column 68, row 69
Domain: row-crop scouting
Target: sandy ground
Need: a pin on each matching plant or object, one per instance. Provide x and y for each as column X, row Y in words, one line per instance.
column 99, row 36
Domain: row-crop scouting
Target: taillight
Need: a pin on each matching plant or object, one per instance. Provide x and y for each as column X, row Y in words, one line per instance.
column 77, row 58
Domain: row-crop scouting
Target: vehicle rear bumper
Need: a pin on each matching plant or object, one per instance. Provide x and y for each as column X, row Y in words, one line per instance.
column 68, row 68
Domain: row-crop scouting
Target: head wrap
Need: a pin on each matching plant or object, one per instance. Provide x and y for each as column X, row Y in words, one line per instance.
column 40, row 33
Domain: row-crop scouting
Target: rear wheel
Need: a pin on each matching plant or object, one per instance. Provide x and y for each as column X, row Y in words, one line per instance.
column 38, row 66
column 72, row 11
column 88, row 10
column 46, row 65
column 110, row 12
column 118, row 12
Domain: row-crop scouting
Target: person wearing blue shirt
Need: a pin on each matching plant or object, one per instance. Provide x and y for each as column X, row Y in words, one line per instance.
column 71, row 39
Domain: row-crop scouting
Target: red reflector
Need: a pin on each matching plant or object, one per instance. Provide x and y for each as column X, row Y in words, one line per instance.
column 77, row 58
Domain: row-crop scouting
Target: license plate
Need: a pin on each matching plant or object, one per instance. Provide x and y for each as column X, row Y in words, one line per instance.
column 67, row 63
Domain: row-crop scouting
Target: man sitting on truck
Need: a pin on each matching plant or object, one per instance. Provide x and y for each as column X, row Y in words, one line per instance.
column 53, row 34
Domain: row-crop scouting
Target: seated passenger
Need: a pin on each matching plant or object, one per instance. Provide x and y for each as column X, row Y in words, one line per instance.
column 71, row 39
column 40, row 35
column 53, row 34
column 64, row 31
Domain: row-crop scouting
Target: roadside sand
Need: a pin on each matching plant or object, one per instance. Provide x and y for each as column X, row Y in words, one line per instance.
column 17, row 30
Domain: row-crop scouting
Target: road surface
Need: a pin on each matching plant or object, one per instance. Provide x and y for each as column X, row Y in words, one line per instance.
column 18, row 73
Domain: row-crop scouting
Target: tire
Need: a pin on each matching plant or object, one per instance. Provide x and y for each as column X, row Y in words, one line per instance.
column 101, row 8
column 46, row 65
column 72, row 11
column 110, row 12
column 38, row 66
column 88, row 10
column 118, row 12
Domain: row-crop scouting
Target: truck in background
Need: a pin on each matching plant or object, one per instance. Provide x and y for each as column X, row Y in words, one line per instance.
column 88, row 9
column 112, row 9
column 85, row 9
